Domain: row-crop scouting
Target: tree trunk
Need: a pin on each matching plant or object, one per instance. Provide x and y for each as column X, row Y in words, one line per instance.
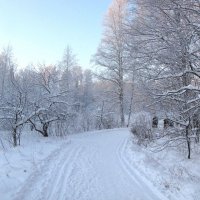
column 188, row 142
column 121, row 101
column 101, row 117
column 122, row 115
column 131, row 102
column 15, row 137
column 45, row 130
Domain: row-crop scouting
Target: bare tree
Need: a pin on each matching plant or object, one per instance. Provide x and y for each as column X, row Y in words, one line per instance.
column 165, row 39
column 111, row 56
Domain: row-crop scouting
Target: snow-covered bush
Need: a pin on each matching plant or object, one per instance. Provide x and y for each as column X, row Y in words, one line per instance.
column 141, row 127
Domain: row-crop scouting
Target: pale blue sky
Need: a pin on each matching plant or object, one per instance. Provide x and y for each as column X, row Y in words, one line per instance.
column 39, row 30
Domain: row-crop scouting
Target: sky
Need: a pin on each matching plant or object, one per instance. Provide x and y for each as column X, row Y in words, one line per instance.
column 39, row 30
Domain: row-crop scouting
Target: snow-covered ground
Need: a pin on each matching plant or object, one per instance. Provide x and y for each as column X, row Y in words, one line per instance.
column 101, row 165
column 169, row 170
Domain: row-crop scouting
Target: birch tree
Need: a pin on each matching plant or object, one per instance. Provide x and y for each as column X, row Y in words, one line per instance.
column 111, row 56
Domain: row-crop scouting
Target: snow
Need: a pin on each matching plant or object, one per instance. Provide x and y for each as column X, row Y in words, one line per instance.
column 17, row 164
column 169, row 170
column 100, row 165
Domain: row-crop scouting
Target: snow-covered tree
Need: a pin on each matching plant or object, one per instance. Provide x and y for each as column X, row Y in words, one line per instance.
column 66, row 65
column 111, row 56
column 165, row 40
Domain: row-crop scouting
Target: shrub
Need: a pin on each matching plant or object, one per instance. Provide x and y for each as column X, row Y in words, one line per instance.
column 141, row 127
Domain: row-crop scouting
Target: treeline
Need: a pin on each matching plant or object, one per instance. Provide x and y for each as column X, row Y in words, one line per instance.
column 148, row 60
column 53, row 99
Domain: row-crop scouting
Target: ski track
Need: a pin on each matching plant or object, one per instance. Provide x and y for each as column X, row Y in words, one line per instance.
column 92, row 166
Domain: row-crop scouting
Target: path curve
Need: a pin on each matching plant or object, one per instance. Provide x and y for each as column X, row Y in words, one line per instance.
column 91, row 167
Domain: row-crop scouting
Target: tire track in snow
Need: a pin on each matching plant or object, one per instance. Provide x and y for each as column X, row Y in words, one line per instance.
column 42, row 181
column 35, row 176
column 139, row 179
column 92, row 167
column 83, row 181
column 70, row 178
column 59, row 185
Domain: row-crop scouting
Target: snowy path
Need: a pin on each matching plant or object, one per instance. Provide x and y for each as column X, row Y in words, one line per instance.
column 91, row 167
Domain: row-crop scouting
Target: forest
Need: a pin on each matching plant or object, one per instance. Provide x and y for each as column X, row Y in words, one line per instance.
column 146, row 69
